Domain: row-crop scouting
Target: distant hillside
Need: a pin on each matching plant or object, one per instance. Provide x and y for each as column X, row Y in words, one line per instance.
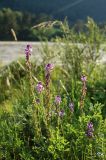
column 73, row 9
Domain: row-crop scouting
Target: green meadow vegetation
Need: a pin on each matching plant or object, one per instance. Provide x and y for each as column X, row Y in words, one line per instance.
column 57, row 110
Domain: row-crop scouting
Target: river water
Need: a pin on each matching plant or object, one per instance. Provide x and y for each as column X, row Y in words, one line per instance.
column 11, row 51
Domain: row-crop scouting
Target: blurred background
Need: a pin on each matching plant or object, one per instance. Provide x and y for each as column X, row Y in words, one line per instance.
column 22, row 15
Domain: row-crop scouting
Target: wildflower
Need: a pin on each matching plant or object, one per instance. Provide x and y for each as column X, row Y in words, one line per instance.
column 39, row 87
column 90, row 126
column 71, row 106
column 49, row 67
column 90, row 130
column 83, row 78
column 58, row 100
column 84, row 90
column 90, row 134
column 47, row 79
column 38, row 101
column 61, row 113
column 28, row 51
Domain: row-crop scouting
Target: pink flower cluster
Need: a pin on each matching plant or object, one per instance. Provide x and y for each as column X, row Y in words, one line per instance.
column 83, row 78
column 61, row 113
column 39, row 87
column 28, row 51
column 90, row 130
column 49, row 67
column 71, row 106
column 58, row 100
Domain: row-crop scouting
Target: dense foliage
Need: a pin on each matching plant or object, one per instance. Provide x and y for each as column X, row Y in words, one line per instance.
column 25, row 26
column 22, row 24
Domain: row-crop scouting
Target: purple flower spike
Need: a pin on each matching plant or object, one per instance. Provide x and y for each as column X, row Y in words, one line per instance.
column 61, row 113
column 71, row 106
column 49, row 67
column 58, row 100
column 90, row 130
column 83, row 78
column 28, row 51
column 90, row 134
column 90, row 125
column 39, row 87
